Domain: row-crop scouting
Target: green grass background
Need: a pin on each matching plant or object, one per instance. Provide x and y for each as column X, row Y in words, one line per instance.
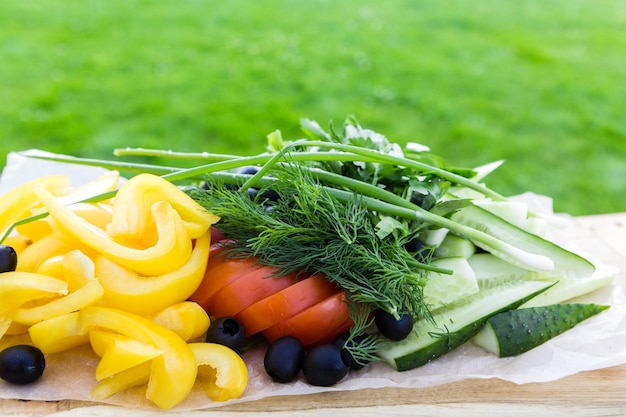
column 539, row 83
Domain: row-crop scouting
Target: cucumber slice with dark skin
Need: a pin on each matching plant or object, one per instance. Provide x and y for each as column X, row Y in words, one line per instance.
column 517, row 331
column 457, row 323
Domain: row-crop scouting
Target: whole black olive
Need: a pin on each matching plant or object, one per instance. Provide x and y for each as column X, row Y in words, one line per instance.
column 248, row 170
column 227, row 331
column 283, row 359
column 8, row 258
column 391, row 327
column 419, row 249
column 325, row 365
column 21, row 364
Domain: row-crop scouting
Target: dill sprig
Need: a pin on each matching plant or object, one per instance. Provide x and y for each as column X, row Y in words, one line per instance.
column 308, row 230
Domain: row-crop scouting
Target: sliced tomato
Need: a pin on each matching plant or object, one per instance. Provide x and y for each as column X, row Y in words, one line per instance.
column 333, row 334
column 221, row 272
column 285, row 303
column 247, row 290
column 326, row 319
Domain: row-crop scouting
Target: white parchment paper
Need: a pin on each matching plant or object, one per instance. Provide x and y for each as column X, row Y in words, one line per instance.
column 599, row 342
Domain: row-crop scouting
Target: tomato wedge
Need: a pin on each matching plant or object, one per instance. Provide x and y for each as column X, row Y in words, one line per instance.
column 285, row 303
column 322, row 321
column 247, row 290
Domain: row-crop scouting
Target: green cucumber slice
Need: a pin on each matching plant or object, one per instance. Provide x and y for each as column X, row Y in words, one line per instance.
column 487, row 266
column 512, row 211
column 443, row 289
column 452, row 326
column 568, row 288
column 453, row 246
column 514, row 332
column 566, row 263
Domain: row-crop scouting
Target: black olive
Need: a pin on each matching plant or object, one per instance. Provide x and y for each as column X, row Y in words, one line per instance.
column 392, row 328
column 356, row 340
column 21, row 364
column 325, row 365
column 8, row 258
column 227, row 331
column 249, row 170
column 270, row 195
column 283, row 359
column 418, row 248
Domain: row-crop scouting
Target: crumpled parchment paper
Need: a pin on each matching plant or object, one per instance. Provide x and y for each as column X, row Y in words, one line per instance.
column 597, row 343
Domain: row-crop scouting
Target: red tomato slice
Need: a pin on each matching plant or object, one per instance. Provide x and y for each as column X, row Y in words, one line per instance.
column 221, row 272
column 286, row 303
column 247, row 290
column 332, row 335
column 326, row 319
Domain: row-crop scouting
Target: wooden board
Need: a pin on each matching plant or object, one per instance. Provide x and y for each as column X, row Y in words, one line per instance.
column 594, row 393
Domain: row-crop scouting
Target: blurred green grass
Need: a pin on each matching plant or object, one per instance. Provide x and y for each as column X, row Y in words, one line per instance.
column 537, row 83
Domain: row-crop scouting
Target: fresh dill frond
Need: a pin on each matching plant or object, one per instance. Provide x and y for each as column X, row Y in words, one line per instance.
column 309, row 230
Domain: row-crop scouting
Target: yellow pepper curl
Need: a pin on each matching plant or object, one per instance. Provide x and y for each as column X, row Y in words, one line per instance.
column 171, row 251
column 138, row 195
column 172, row 374
column 17, row 203
column 127, row 290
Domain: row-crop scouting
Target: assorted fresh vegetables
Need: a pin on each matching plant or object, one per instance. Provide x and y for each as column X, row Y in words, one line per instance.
column 335, row 251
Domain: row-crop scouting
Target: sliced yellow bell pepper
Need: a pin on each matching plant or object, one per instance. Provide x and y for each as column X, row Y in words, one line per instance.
column 135, row 198
column 15, row 329
column 172, row 374
column 18, row 242
column 89, row 294
column 126, row 290
column 132, row 377
column 187, row 319
column 58, row 334
column 34, row 230
column 106, row 182
column 15, row 204
column 221, row 371
column 74, row 267
column 17, row 288
column 170, row 252
column 40, row 251
column 119, row 352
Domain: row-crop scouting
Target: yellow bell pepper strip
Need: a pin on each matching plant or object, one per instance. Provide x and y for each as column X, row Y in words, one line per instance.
column 15, row 204
column 172, row 374
column 58, row 334
column 136, row 197
column 41, row 250
column 171, row 251
column 34, row 230
column 127, row 291
column 18, row 243
column 74, row 267
column 221, row 371
column 133, row 377
column 97, row 214
column 77, row 269
column 89, row 294
column 18, row 288
column 15, row 329
column 187, row 319
column 106, row 182
column 119, row 352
